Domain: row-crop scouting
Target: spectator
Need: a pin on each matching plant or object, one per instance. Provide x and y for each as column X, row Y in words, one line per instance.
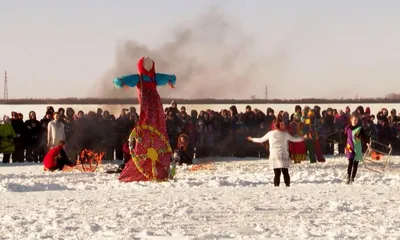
column 55, row 131
column 7, row 136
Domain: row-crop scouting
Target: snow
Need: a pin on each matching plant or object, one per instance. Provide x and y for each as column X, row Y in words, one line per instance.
column 237, row 200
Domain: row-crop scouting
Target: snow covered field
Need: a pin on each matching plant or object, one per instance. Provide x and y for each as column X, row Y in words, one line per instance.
column 237, row 200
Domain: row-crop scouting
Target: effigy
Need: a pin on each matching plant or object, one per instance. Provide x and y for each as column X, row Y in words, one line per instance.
column 149, row 144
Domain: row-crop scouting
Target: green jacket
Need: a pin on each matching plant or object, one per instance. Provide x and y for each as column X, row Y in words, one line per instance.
column 7, row 136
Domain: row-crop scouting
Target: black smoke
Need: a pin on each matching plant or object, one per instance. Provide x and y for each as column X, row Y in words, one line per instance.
column 211, row 56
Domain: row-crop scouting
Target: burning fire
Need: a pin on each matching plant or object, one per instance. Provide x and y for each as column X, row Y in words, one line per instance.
column 91, row 158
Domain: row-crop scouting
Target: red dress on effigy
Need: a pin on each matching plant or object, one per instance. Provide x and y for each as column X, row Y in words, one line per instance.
column 151, row 155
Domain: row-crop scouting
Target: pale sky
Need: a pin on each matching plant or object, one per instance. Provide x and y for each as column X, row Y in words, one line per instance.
column 60, row 48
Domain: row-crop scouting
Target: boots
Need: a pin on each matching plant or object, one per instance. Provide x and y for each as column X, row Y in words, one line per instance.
column 120, row 168
column 350, row 180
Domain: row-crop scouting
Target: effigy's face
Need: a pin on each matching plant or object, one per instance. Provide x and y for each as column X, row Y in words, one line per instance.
column 148, row 63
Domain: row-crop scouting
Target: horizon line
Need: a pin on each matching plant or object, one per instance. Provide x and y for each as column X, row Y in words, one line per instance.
column 122, row 101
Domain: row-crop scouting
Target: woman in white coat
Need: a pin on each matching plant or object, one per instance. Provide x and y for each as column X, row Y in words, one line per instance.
column 55, row 131
column 279, row 158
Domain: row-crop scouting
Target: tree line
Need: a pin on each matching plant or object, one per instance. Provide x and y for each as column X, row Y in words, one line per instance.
column 127, row 101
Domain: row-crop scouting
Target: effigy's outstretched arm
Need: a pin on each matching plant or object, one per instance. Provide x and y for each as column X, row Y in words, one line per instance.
column 126, row 81
column 164, row 79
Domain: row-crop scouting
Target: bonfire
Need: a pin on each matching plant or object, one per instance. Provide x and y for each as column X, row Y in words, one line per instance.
column 88, row 160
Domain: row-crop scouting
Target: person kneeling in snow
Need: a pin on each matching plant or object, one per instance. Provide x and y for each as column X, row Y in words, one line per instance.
column 56, row 158
column 279, row 154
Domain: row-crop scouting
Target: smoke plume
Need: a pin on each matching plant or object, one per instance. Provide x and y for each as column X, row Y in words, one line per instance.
column 211, row 57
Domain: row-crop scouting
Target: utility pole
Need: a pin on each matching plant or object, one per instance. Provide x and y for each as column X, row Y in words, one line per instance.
column 266, row 92
column 5, row 86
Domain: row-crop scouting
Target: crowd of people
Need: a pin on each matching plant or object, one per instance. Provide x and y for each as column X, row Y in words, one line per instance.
column 209, row 133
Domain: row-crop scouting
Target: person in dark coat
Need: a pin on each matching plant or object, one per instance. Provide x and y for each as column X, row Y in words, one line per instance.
column 121, row 133
column 329, row 130
column 19, row 127
column 70, row 130
column 33, row 131
column 74, row 133
column 182, row 154
column 108, row 125
column 43, row 135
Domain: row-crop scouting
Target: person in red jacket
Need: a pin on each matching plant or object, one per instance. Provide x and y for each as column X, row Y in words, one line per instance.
column 56, row 158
